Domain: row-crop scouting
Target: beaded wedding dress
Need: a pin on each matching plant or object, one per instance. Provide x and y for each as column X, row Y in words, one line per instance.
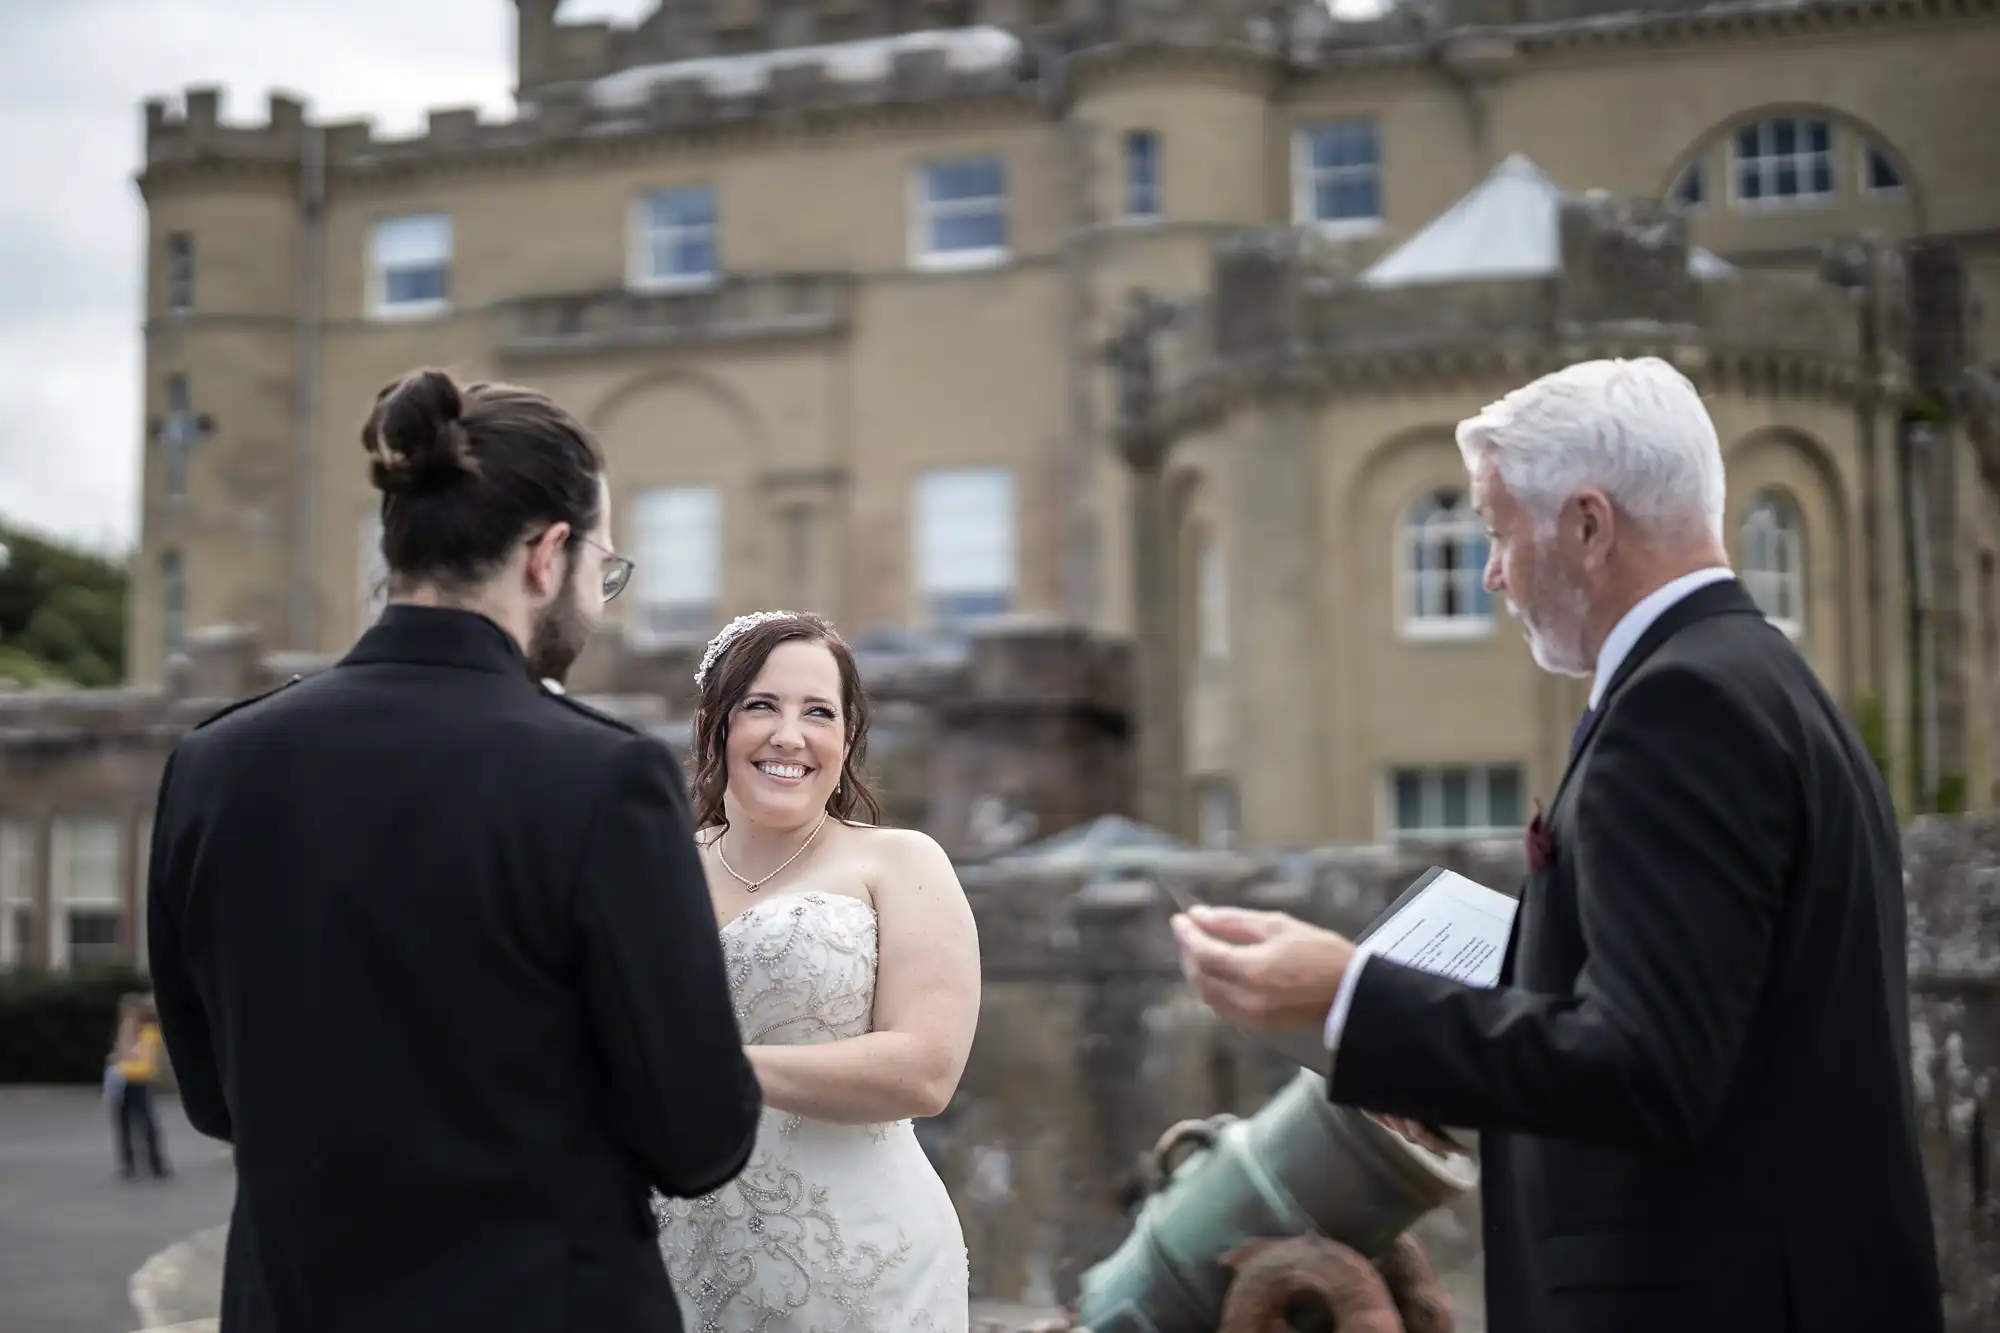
column 830, row 1227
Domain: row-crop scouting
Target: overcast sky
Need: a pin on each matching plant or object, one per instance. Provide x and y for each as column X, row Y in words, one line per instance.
column 73, row 74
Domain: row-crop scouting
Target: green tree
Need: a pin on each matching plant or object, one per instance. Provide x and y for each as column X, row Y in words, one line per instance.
column 62, row 612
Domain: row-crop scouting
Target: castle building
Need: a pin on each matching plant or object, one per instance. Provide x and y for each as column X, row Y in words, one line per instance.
column 835, row 282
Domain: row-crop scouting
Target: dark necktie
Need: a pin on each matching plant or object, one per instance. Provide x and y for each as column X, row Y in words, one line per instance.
column 1582, row 725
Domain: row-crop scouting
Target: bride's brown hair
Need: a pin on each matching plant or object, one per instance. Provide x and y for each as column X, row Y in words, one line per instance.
column 730, row 677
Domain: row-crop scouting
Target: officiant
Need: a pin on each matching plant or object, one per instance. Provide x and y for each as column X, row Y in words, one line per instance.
column 1692, row 1078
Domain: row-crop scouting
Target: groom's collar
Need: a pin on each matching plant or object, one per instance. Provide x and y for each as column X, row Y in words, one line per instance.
column 1632, row 626
column 439, row 636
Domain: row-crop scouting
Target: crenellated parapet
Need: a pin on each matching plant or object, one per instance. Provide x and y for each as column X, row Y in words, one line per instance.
column 196, row 131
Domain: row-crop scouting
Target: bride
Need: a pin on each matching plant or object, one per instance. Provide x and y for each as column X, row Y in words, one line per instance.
column 854, row 964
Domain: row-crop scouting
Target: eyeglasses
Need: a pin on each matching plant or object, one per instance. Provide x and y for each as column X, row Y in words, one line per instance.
column 617, row 568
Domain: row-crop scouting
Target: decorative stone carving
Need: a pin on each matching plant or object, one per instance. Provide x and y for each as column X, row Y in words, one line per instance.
column 1132, row 353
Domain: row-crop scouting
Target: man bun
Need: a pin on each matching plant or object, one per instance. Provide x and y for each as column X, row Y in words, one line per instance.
column 417, row 436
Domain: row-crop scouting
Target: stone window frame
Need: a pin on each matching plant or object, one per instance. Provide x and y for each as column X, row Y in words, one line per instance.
column 953, row 603
column 1142, row 175
column 1768, row 162
column 678, row 531
column 1431, row 523
column 65, row 904
column 1432, row 781
column 20, row 866
column 924, row 211
column 647, row 233
column 180, row 272
column 1771, row 541
column 379, row 305
column 1306, row 177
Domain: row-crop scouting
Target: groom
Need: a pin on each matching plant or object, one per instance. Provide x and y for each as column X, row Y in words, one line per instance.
column 431, row 943
column 1694, row 1074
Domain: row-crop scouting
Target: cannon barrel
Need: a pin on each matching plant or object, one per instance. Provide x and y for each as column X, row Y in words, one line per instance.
column 1300, row 1164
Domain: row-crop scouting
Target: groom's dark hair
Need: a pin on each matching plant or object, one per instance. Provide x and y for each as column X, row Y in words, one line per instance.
column 468, row 473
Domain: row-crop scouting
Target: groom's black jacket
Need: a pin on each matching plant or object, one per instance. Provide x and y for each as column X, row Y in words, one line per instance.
column 433, row 950
column 1694, row 1077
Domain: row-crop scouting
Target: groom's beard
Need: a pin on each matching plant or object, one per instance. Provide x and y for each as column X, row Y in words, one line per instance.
column 559, row 637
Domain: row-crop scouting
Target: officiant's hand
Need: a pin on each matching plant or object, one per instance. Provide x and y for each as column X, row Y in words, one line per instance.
column 1261, row 970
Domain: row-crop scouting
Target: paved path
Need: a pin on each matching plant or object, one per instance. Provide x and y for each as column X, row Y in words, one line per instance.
column 72, row 1234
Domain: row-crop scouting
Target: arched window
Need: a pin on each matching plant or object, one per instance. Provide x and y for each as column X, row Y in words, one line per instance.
column 1444, row 547
column 1774, row 560
column 1784, row 160
column 173, row 601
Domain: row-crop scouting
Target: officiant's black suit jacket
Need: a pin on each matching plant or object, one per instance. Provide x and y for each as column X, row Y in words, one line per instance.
column 1694, row 1077
column 432, row 949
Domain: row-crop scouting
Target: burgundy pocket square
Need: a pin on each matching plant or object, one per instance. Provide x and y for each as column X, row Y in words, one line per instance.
column 1538, row 843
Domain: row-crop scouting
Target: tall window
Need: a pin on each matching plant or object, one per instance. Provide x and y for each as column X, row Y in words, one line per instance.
column 1211, row 597
column 173, row 601
column 180, row 272
column 410, row 265
column 678, row 537
column 965, row 544
column 87, row 892
column 1216, row 814
column 1784, row 160
column 1445, row 552
column 374, row 569
column 1455, row 803
column 1142, row 176
column 962, row 213
column 676, row 236
column 802, row 558
column 1337, row 174
column 17, row 893
column 1774, row 560
column 178, row 434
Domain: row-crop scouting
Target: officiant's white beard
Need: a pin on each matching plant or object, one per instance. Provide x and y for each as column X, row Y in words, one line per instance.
column 1552, row 614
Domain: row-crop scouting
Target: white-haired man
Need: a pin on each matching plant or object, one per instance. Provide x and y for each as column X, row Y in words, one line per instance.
column 1693, row 1077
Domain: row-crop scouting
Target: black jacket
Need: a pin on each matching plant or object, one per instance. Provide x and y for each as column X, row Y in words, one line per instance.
column 1694, row 1076
column 432, row 948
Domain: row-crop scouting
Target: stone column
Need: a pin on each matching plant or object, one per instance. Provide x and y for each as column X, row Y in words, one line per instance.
column 1143, row 442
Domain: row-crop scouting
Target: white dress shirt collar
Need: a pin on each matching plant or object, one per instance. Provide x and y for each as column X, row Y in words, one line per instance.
column 1640, row 618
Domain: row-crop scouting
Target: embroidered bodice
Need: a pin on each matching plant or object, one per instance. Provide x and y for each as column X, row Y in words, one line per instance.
column 829, row 1227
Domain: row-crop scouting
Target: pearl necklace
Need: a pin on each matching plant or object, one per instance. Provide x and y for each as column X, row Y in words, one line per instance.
column 752, row 885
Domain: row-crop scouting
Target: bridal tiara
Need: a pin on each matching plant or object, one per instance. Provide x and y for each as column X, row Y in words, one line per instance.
column 731, row 632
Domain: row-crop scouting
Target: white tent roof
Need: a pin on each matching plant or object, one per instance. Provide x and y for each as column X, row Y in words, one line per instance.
column 1505, row 227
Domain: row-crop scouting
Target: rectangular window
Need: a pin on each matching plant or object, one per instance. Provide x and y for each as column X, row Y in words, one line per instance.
column 1784, row 160
column 678, row 553
column 410, row 265
column 1216, row 815
column 802, row 557
column 374, row 569
column 1142, row 176
column 17, row 893
column 173, row 602
column 1211, row 598
column 89, row 898
column 1337, row 170
column 962, row 213
column 964, row 545
column 676, row 237
column 1455, row 803
column 180, row 272
column 177, row 436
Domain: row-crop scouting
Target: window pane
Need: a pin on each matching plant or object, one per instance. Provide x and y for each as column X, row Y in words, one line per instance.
column 1818, row 136
column 981, row 230
column 1455, row 785
column 1882, row 173
column 1820, row 176
column 1503, row 797
column 683, row 206
column 965, row 537
column 966, row 178
column 1409, row 800
column 419, row 240
column 678, row 550
column 403, row 286
column 89, row 862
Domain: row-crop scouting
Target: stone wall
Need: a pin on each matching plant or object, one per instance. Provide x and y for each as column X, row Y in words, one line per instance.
column 1090, row 1046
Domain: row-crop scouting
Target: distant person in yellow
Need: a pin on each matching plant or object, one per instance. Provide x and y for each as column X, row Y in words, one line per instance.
column 133, row 1069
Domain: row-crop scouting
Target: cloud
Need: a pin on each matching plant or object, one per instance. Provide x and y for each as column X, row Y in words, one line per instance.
column 73, row 77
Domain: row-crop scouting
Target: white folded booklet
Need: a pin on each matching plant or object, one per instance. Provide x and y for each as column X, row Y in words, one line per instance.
column 1443, row 923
